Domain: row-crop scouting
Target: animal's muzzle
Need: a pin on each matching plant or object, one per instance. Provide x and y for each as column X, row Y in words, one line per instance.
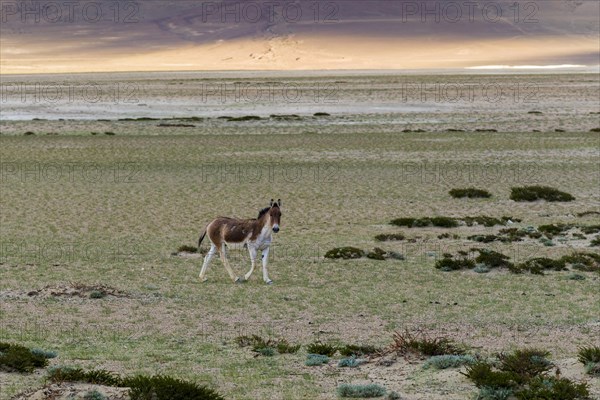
column 275, row 228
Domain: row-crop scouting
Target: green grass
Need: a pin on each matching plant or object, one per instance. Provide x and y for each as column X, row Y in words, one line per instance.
column 119, row 229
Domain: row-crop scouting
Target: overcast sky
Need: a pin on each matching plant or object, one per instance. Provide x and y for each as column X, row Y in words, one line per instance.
column 103, row 35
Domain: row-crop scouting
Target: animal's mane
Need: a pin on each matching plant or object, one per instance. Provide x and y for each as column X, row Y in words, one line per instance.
column 263, row 212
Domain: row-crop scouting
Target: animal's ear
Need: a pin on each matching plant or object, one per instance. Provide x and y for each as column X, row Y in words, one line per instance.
column 278, row 202
column 271, row 204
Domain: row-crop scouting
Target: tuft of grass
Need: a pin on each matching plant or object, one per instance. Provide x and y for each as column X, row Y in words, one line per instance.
column 590, row 357
column 377, row 254
column 471, row 193
column 361, row 391
column 492, row 259
column 484, row 220
column 444, row 222
column 540, row 264
column 265, row 351
column 350, row 350
column 526, row 363
column 97, row 294
column 489, row 393
column 17, row 358
column 284, row 347
column 313, row 360
column 595, row 242
column 385, row 237
column 321, row 114
column 29, row 133
column 405, row 343
column 109, row 133
column 187, row 249
column 346, row 253
column 448, row 361
column 534, row 193
column 322, row 349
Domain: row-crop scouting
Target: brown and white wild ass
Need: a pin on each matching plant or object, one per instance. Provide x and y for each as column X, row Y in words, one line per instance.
column 256, row 234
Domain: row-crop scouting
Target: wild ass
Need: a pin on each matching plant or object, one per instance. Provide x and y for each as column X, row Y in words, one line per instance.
column 256, row 234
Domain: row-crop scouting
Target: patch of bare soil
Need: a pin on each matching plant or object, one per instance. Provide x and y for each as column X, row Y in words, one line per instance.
column 73, row 391
column 69, row 290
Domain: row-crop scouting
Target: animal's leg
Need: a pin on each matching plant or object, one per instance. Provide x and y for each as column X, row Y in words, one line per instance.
column 265, row 259
column 223, row 253
column 209, row 256
column 252, row 250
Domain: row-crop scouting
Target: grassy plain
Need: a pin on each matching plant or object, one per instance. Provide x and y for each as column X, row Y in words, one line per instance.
column 110, row 210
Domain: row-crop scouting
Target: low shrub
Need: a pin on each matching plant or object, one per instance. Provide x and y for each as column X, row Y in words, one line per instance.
column 94, row 395
column 350, row 362
column 484, row 220
column 442, row 222
column 448, row 361
column 590, row 229
column 97, row 294
column 534, row 193
column 385, row 237
column 471, row 193
column 488, row 393
column 361, row 391
column 492, row 259
column 160, row 387
column 483, row 376
column 245, row 118
column 451, row 264
column 540, row 264
column 284, row 347
column 345, row 253
column 554, row 229
column 595, row 242
column 313, row 360
column 553, row 388
column 405, row 343
column 322, row 349
column 526, row 363
column 377, row 254
column 358, row 350
column 17, row 358
column 587, row 262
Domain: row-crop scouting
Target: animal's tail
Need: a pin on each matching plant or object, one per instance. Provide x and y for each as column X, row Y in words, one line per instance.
column 201, row 239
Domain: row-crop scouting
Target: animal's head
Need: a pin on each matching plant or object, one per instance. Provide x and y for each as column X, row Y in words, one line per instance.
column 275, row 214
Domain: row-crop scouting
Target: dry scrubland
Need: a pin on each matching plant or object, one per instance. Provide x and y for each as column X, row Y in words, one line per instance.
column 342, row 179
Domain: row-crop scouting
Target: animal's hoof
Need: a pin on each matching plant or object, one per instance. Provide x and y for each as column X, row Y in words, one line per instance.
column 269, row 282
column 203, row 279
column 239, row 280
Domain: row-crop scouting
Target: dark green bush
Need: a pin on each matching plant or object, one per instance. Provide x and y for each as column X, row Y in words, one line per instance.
column 553, row 229
column 482, row 375
column 346, row 253
column 161, row 387
column 350, row 362
column 17, row 358
column 384, row 237
column 442, row 222
column 526, row 363
column 245, row 118
column 284, row 347
column 321, row 114
column 553, row 388
column 471, row 193
column 322, row 349
column 588, row 262
column 589, row 229
column 451, row 264
column 377, row 254
column 540, row 264
column 534, row 193
column 492, row 259
column 484, row 220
